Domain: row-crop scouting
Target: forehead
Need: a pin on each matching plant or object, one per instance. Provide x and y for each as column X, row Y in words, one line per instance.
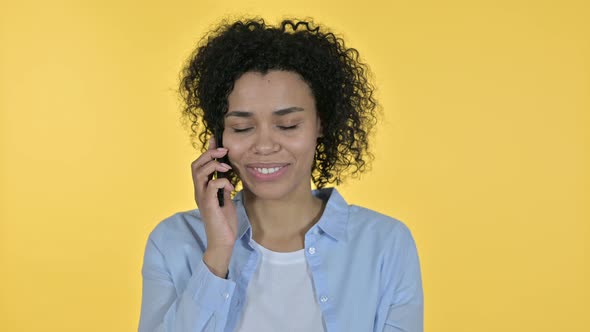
column 257, row 92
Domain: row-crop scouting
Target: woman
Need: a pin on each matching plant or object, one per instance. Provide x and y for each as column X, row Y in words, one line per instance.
column 293, row 104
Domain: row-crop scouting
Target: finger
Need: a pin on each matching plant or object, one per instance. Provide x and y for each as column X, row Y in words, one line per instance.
column 207, row 170
column 207, row 156
column 222, row 183
column 212, row 144
column 204, row 174
column 213, row 186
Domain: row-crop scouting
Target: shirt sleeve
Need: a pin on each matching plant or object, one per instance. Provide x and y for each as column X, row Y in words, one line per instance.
column 202, row 306
column 406, row 304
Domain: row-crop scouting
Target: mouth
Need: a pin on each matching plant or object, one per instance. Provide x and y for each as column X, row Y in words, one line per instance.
column 267, row 172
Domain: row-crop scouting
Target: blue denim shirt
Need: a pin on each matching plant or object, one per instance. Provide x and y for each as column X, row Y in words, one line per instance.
column 364, row 266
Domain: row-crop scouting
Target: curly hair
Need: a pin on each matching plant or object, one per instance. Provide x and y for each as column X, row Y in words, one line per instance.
column 338, row 79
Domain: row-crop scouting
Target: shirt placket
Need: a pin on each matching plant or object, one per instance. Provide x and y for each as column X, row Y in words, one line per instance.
column 314, row 256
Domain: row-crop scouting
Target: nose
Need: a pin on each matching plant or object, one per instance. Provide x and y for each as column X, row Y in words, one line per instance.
column 264, row 142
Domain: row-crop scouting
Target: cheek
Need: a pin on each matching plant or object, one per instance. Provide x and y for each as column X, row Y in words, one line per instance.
column 305, row 149
column 235, row 147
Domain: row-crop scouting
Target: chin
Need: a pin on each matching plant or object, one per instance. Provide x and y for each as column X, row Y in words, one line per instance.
column 270, row 191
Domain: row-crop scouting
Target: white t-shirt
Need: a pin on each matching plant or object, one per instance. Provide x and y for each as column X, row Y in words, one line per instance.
column 280, row 296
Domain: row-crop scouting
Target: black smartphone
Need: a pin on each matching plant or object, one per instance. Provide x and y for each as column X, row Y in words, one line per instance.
column 219, row 175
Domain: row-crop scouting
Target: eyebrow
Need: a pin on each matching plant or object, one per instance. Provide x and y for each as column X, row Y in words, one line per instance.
column 246, row 114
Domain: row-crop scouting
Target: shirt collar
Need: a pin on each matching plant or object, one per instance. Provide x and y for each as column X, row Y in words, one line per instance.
column 243, row 221
column 333, row 221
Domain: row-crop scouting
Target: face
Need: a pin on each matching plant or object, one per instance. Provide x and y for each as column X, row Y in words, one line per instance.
column 271, row 130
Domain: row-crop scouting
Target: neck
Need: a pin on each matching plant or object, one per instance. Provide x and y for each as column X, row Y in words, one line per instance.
column 281, row 224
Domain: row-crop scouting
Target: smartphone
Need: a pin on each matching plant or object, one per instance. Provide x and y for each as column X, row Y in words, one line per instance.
column 219, row 175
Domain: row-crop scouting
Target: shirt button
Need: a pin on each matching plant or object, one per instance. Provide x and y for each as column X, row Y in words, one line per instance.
column 226, row 296
column 311, row 250
column 323, row 299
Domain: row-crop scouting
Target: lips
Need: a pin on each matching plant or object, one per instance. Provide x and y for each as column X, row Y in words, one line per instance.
column 267, row 171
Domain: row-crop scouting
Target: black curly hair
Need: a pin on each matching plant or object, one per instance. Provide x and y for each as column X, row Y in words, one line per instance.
column 339, row 81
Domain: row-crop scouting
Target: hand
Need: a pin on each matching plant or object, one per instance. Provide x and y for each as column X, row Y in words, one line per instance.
column 221, row 223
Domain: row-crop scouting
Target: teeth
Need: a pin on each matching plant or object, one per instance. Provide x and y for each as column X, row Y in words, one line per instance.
column 267, row 170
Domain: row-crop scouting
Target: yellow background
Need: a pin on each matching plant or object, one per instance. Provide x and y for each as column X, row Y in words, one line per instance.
column 483, row 151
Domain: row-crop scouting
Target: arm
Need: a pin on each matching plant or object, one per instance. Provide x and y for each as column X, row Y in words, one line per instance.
column 202, row 306
column 406, row 305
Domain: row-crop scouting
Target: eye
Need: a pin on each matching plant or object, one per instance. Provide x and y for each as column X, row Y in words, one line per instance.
column 241, row 130
column 288, row 127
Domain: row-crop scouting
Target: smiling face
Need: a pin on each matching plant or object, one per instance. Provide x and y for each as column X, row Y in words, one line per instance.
column 271, row 130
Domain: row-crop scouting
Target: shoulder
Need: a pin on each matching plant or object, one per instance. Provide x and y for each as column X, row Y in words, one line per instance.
column 389, row 237
column 364, row 220
column 184, row 227
column 174, row 249
column 361, row 223
column 364, row 217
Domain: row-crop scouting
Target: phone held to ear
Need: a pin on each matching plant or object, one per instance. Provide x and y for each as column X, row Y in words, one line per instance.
column 219, row 175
